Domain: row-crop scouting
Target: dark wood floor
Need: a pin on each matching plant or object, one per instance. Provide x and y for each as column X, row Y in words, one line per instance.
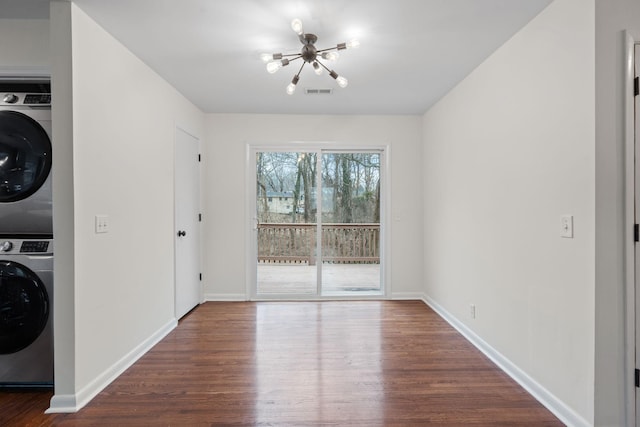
column 369, row 363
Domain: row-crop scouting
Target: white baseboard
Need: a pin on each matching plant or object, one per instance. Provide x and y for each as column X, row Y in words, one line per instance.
column 242, row 297
column 64, row 403
column 407, row 296
column 225, row 297
column 541, row 394
column 73, row 403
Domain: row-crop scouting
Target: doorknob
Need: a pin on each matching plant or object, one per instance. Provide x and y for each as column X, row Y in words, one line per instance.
column 182, row 233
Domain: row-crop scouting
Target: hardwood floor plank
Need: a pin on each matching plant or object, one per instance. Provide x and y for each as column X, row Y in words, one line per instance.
column 359, row 363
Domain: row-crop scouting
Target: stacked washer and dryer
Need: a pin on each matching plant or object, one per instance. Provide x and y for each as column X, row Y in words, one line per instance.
column 26, row 234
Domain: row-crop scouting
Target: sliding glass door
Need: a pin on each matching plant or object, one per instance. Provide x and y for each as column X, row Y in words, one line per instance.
column 350, row 231
column 286, row 226
column 317, row 225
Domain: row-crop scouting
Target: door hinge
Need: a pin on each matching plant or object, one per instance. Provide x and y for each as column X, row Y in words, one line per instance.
column 199, row 158
column 637, row 375
column 200, row 276
column 636, row 233
column 200, row 217
column 636, row 86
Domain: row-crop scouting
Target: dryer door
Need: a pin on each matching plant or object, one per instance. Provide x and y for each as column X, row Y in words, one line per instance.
column 24, row 307
column 25, row 156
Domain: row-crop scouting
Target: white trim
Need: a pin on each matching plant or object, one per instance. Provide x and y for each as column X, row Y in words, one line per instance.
column 407, row 296
column 251, row 217
column 629, row 244
column 541, row 394
column 75, row 402
column 224, row 297
column 65, row 403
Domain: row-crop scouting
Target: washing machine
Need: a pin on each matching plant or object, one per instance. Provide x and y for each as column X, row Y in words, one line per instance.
column 26, row 317
column 25, row 157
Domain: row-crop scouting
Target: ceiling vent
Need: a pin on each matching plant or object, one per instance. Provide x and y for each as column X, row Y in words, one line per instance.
column 318, row 91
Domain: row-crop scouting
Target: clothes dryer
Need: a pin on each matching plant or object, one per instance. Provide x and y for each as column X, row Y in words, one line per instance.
column 26, row 316
column 25, row 158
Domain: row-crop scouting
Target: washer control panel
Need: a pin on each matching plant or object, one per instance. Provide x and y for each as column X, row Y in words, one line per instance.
column 28, row 99
column 25, row 247
column 34, row 246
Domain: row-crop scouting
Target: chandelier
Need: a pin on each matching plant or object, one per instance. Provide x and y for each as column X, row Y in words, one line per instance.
column 309, row 55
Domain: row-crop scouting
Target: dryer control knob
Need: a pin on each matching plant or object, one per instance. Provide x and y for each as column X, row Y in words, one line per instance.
column 6, row 246
column 10, row 98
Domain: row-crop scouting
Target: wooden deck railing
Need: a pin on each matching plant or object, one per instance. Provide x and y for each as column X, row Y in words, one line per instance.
column 341, row 243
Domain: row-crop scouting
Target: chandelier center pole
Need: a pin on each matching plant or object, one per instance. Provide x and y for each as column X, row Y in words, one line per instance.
column 308, row 39
column 309, row 53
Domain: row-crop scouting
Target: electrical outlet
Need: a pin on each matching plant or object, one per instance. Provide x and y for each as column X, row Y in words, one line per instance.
column 102, row 224
column 566, row 226
column 472, row 311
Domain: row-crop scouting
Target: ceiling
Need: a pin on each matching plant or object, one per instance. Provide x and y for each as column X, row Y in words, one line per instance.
column 412, row 52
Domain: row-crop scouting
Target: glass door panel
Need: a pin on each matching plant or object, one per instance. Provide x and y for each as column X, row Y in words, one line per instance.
column 350, row 204
column 286, row 196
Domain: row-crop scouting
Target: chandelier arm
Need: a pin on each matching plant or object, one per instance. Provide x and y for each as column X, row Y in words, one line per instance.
column 301, row 67
column 292, row 54
column 323, row 66
column 297, row 57
column 327, row 49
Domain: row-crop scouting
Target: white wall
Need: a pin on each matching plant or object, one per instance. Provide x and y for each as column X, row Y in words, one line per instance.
column 612, row 18
column 507, row 152
column 28, row 49
column 122, row 118
column 224, row 164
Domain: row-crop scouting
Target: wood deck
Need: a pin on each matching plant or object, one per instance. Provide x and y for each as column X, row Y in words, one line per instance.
column 337, row 279
column 338, row 363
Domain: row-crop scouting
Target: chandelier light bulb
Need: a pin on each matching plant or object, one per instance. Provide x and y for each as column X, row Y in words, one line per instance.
column 317, row 68
column 267, row 57
column 292, row 86
column 272, row 67
column 353, row 43
column 330, row 56
column 342, row 82
column 296, row 25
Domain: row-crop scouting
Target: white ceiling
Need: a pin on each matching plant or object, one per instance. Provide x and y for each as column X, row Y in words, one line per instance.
column 412, row 51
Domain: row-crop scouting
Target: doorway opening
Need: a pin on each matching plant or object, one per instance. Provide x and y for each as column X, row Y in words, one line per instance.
column 318, row 223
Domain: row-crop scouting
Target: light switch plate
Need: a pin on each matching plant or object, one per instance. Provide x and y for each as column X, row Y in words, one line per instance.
column 102, row 224
column 566, row 226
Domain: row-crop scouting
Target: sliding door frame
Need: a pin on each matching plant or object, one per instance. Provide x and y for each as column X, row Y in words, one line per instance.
column 251, row 215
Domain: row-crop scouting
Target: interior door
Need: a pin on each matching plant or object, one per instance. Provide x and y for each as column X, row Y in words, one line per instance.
column 188, row 289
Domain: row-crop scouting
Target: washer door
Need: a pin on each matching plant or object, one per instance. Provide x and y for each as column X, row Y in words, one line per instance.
column 25, row 156
column 24, row 307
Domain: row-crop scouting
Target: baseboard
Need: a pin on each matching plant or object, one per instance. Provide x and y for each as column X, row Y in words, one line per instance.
column 406, row 296
column 541, row 394
column 73, row 403
column 242, row 297
column 64, row 403
column 225, row 297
